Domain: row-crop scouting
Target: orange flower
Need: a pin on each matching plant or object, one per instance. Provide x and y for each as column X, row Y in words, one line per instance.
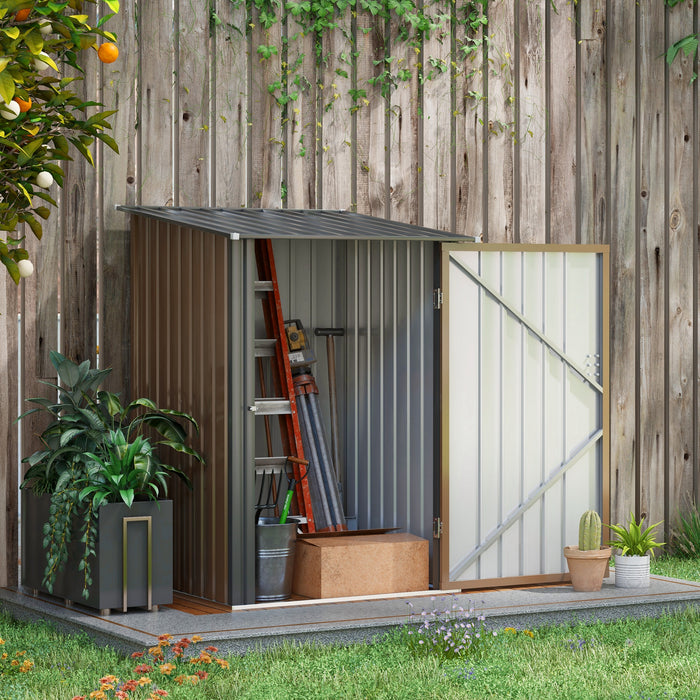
column 137, row 655
column 121, row 695
column 166, row 669
column 130, row 685
column 143, row 668
column 2, row 641
column 160, row 693
column 109, row 679
column 165, row 637
column 78, row 697
column 144, row 680
column 26, row 666
column 97, row 694
column 202, row 674
column 212, row 649
column 222, row 662
column 196, row 638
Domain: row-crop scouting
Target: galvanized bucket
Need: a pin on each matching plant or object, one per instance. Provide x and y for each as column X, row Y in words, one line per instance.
column 274, row 559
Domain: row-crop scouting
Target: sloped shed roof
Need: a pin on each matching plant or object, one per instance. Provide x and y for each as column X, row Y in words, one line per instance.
column 289, row 223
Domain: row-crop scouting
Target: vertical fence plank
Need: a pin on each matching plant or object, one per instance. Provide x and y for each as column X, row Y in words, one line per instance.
column 193, row 116
column 230, row 112
column 437, row 128
column 652, row 260
column 592, row 122
column 681, row 233
column 623, row 199
column 403, row 137
column 562, row 101
column 531, row 122
column 266, row 119
column 302, row 180
column 8, row 435
column 79, row 234
column 501, row 96
column 470, row 147
column 336, row 118
column 120, row 174
column 157, row 156
column 370, row 162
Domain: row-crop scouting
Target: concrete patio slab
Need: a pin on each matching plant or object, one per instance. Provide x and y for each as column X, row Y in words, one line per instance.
column 339, row 621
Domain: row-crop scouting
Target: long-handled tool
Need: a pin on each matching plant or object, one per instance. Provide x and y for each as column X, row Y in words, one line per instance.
column 329, row 334
column 291, row 484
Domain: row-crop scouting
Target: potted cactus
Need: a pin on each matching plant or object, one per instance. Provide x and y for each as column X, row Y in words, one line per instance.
column 589, row 561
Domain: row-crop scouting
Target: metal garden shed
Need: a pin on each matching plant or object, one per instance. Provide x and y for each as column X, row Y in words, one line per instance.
column 472, row 383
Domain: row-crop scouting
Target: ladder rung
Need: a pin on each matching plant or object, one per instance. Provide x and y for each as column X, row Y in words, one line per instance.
column 265, row 347
column 263, row 286
column 272, row 407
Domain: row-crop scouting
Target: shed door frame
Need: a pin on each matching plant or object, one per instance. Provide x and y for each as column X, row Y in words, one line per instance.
column 603, row 439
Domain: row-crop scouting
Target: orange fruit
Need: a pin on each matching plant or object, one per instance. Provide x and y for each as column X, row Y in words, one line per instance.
column 21, row 15
column 24, row 105
column 108, row 52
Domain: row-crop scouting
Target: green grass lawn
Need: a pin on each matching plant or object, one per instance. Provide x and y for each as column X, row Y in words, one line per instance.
column 641, row 659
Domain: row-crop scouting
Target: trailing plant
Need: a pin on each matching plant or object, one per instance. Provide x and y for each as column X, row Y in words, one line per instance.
column 97, row 451
column 633, row 541
column 686, row 536
column 43, row 119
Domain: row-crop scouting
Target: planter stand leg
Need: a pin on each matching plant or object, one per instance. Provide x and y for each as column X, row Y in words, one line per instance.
column 104, row 612
column 149, row 523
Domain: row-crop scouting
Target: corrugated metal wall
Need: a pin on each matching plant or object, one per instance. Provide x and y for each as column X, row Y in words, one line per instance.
column 381, row 294
column 180, row 359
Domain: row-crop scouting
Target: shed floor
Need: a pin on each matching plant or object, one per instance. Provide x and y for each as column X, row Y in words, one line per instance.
column 348, row 620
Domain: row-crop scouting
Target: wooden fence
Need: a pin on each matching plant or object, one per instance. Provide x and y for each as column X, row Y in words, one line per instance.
column 585, row 135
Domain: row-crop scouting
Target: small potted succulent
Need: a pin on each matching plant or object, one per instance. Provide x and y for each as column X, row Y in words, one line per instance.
column 635, row 545
column 589, row 561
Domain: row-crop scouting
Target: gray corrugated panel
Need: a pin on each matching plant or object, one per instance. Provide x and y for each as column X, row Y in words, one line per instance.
column 292, row 223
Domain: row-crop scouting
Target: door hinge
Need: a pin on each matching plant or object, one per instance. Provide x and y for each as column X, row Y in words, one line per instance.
column 438, row 298
column 437, row 528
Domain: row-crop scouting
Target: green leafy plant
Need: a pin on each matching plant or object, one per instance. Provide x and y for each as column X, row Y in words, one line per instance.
column 633, row 541
column 97, row 451
column 686, row 536
column 43, row 119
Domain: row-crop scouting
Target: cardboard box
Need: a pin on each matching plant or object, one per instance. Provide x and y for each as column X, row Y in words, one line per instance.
column 355, row 563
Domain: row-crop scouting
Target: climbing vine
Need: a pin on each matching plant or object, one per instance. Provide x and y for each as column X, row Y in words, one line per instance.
column 460, row 24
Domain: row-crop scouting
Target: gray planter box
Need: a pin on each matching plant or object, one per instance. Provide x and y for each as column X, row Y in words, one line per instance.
column 107, row 571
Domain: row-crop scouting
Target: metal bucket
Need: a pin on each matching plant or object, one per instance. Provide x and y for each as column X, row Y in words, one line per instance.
column 274, row 559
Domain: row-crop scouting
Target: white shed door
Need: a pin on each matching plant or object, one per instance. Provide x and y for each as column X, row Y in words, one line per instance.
column 524, row 405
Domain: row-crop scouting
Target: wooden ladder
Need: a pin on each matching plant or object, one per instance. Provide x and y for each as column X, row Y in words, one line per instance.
column 283, row 402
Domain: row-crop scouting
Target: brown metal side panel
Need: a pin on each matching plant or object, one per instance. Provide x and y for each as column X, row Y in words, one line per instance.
column 180, row 360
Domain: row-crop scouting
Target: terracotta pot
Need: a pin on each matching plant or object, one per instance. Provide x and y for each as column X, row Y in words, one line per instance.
column 587, row 568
